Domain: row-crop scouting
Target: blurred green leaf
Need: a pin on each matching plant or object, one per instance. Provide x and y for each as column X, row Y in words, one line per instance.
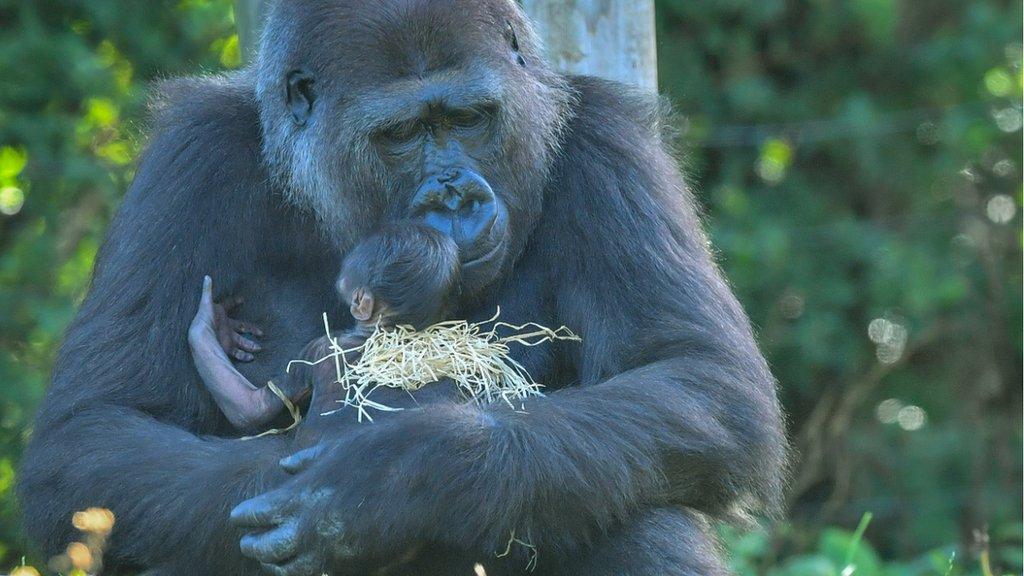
column 12, row 161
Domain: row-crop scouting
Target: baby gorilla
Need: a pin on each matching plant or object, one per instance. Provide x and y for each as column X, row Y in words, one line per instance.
column 406, row 274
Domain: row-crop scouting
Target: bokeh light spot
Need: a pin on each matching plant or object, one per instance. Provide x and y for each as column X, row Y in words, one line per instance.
column 11, row 200
column 775, row 159
column 12, row 161
column 911, row 418
column 890, row 337
column 998, row 82
column 887, row 411
column 1001, row 209
column 1004, row 168
column 1007, row 119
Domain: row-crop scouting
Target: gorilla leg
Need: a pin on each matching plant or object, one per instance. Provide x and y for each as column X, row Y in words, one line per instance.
column 665, row 542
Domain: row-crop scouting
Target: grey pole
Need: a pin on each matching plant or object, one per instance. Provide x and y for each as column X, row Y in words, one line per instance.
column 613, row 39
column 249, row 16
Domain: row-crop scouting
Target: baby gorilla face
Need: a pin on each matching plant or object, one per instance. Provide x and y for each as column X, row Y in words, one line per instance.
column 405, row 274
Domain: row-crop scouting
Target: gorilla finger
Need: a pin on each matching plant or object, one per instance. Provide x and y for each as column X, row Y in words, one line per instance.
column 243, row 327
column 245, row 343
column 274, row 546
column 273, row 569
column 306, row 565
column 242, row 355
column 231, row 302
column 269, row 509
column 301, row 460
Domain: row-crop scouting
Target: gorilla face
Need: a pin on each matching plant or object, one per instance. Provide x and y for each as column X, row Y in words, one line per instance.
column 437, row 111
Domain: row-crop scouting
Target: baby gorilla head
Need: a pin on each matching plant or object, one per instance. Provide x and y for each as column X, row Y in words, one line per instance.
column 405, row 274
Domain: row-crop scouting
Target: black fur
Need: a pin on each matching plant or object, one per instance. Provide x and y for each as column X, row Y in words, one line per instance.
column 665, row 415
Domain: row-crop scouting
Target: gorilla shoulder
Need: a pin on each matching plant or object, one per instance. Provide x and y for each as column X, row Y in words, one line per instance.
column 224, row 102
column 205, row 143
column 201, row 170
column 611, row 107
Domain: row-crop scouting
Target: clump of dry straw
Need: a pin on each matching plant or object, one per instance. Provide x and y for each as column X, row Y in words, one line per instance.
column 475, row 356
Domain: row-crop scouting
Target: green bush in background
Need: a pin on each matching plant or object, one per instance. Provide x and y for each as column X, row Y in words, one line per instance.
column 860, row 165
column 860, row 162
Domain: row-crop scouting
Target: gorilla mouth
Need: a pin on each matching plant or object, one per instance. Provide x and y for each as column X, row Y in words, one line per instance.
column 490, row 244
column 481, row 269
column 485, row 257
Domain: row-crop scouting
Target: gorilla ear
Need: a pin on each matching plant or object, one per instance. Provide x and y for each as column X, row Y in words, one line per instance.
column 300, row 95
column 513, row 42
column 362, row 305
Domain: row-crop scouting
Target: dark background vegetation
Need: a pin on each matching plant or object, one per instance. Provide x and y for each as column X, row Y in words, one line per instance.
column 860, row 164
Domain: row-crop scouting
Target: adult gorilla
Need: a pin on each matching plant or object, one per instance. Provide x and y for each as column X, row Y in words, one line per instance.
column 567, row 209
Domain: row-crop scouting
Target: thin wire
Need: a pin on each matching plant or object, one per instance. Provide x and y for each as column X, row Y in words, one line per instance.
column 828, row 129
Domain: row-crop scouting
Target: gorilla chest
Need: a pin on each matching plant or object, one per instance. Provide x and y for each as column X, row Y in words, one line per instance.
column 552, row 364
column 291, row 313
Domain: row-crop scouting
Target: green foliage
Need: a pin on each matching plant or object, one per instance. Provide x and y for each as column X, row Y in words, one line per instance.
column 837, row 552
column 72, row 101
column 860, row 164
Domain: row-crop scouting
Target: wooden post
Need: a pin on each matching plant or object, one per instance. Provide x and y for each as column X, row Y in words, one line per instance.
column 249, row 16
column 609, row 38
column 612, row 39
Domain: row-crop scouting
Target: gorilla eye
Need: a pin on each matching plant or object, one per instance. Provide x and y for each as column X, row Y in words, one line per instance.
column 467, row 117
column 300, row 96
column 402, row 133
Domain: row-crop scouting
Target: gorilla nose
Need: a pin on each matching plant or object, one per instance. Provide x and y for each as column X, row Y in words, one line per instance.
column 458, row 203
column 449, row 176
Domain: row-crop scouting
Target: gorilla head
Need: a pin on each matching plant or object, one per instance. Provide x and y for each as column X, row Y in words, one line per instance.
column 371, row 116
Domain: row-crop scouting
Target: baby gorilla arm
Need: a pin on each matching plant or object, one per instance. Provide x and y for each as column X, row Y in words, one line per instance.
column 244, row 405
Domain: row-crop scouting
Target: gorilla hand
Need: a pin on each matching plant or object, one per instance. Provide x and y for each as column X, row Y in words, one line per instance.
column 371, row 498
column 303, row 459
column 286, row 535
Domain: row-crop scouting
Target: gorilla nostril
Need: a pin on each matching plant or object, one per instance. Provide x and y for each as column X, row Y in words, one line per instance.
column 449, row 176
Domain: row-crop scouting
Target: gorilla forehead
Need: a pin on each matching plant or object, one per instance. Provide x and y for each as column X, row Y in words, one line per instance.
column 379, row 41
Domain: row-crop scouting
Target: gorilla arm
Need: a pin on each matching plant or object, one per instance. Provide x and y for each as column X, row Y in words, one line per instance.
column 119, row 426
column 675, row 406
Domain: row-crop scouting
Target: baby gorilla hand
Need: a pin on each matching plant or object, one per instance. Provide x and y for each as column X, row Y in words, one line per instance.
column 324, row 378
column 212, row 322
